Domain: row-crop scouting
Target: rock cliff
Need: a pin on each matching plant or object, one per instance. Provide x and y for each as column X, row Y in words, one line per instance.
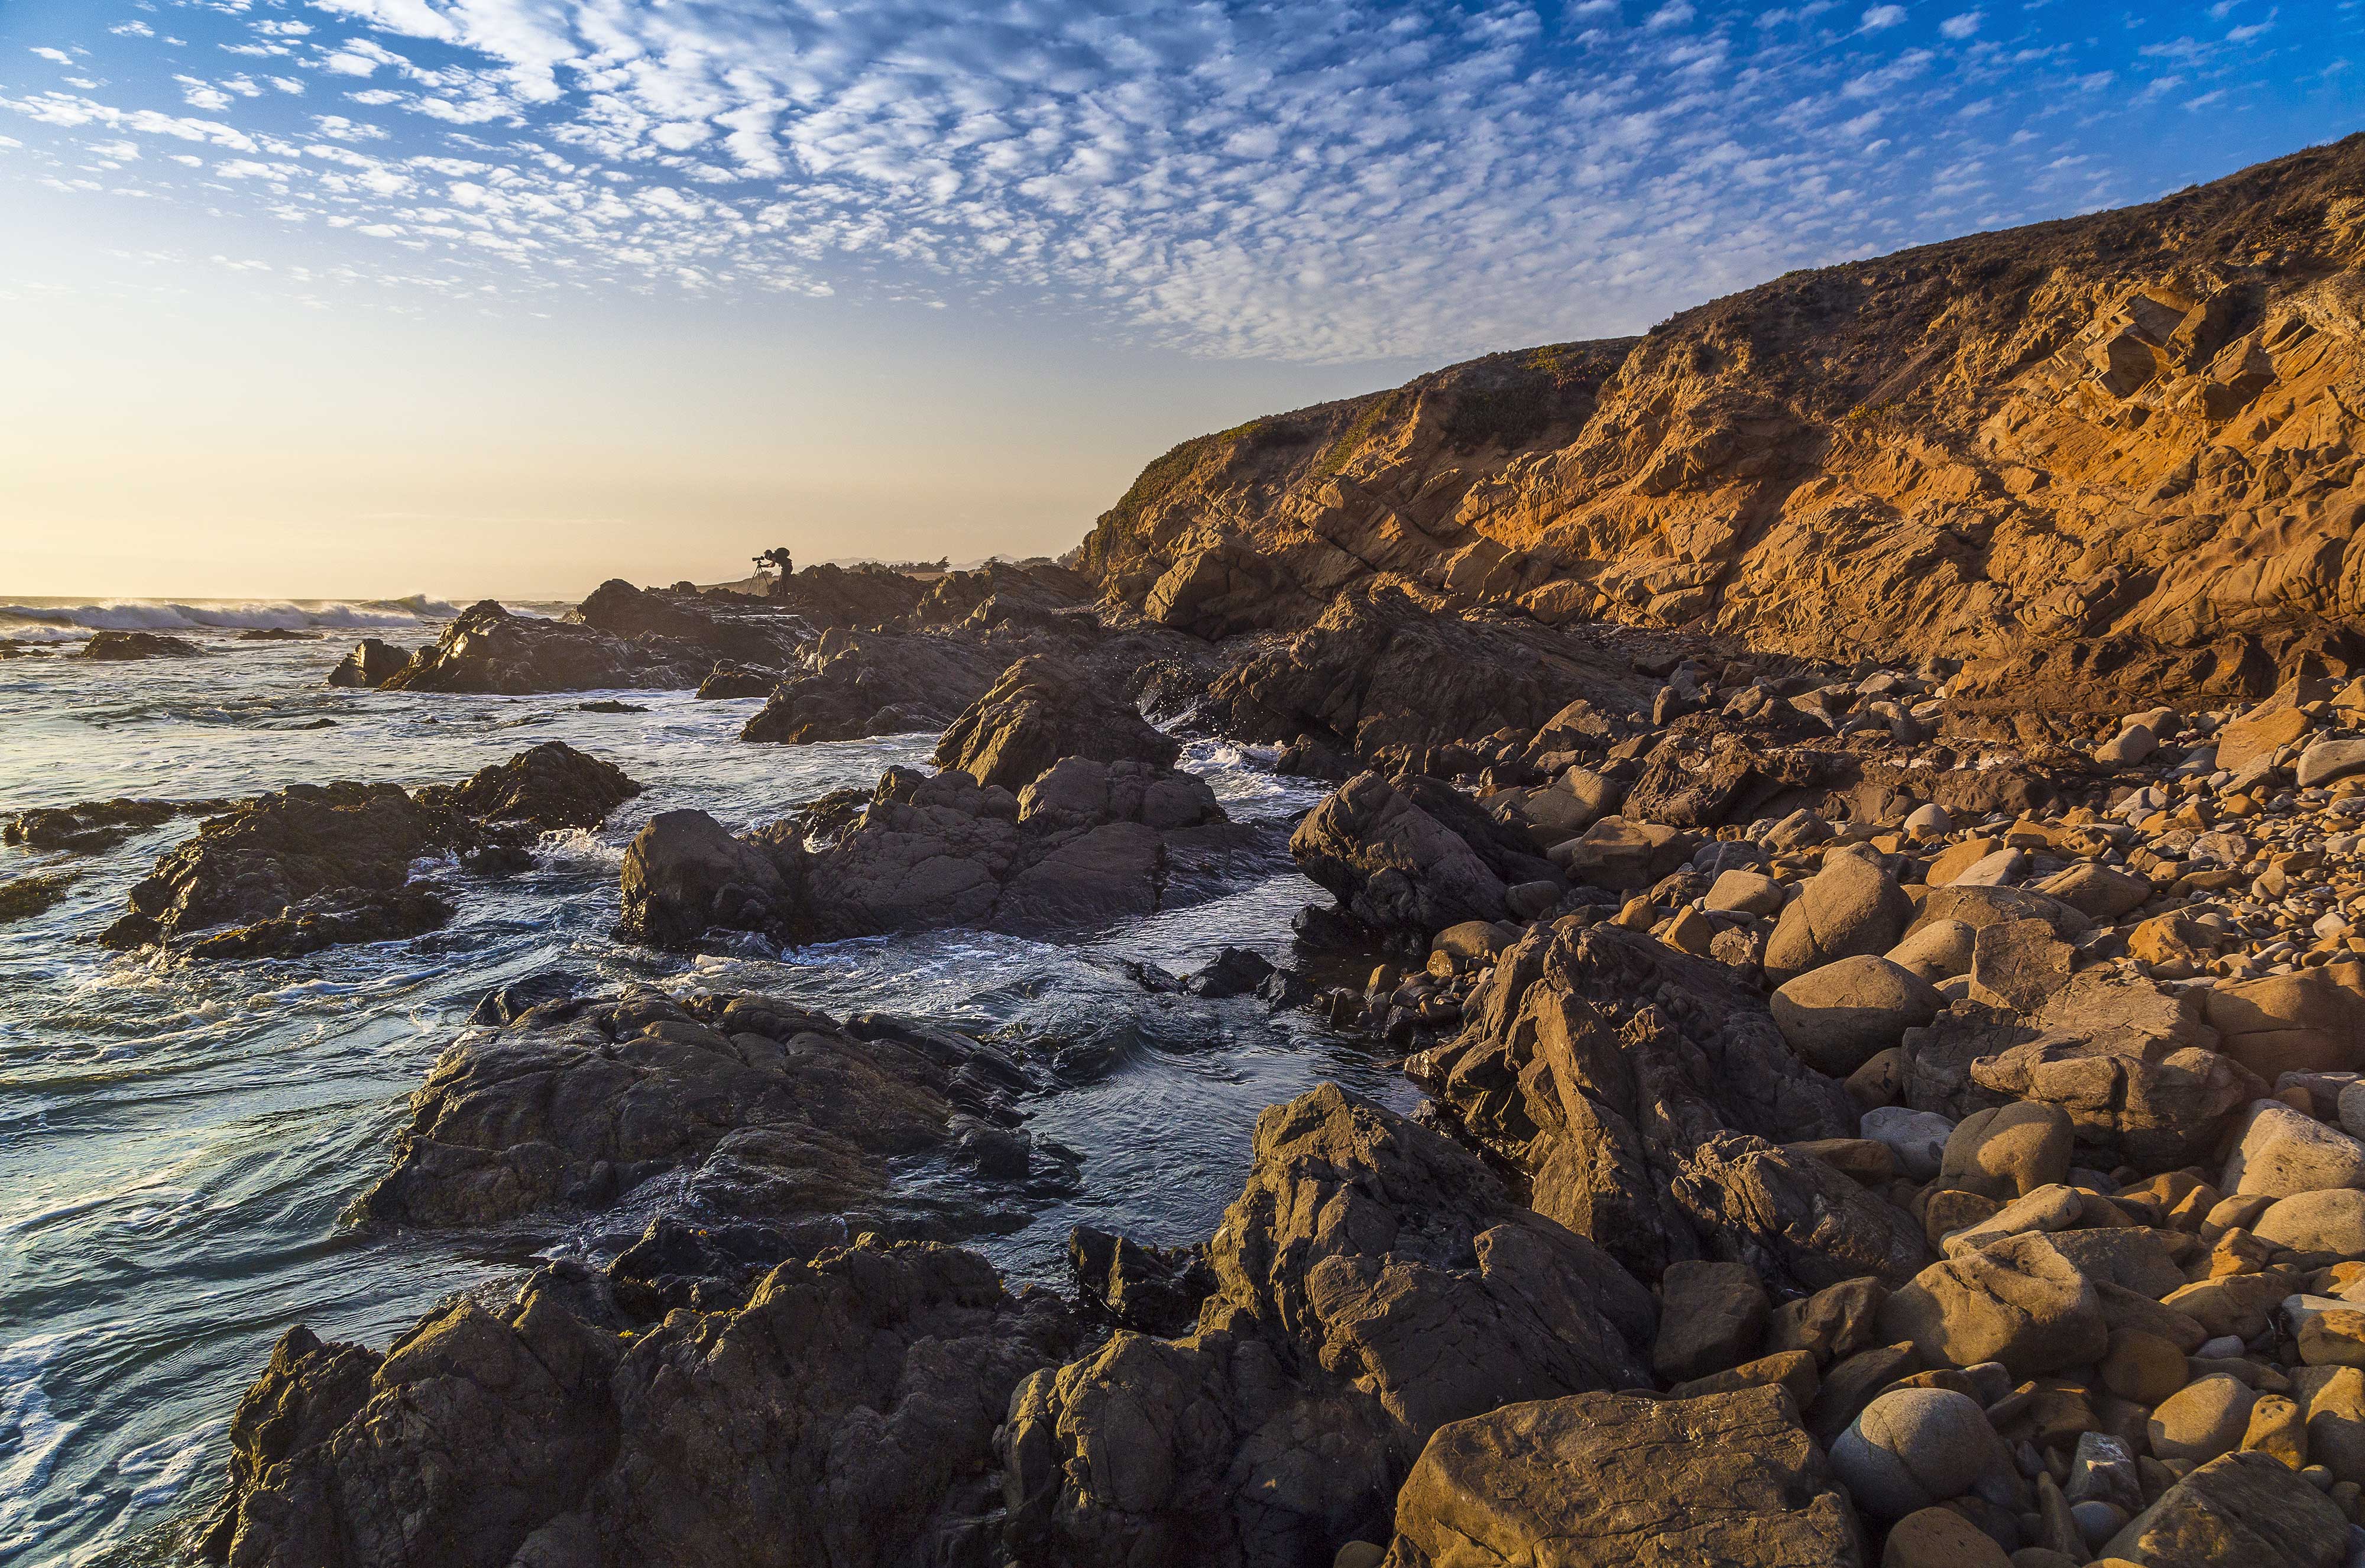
column 2099, row 458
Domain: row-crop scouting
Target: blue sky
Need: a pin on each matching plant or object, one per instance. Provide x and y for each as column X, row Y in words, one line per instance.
column 1254, row 203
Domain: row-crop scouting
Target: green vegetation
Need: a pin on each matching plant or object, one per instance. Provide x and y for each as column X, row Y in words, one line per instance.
column 1342, row 451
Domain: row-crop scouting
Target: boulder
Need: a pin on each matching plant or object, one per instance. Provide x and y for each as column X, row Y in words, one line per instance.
column 1150, row 1290
column 1391, row 864
column 1915, row 1447
column 2205, row 1418
column 370, row 664
column 2008, row 1151
column 855, row 684
column 2019, row 964
column 552, row 786
column 2331, row 1220
column 684, row 873
column 2240, row 1507
column 1711, row 1318
column 1624, row 855
column 1839, row 1015
column 1978, row 907
column 1943, row 1538
column 122, row 647
column 1917, row 1138
column 1602, row 1481
column 1040, row 711
column 1848, row 909
column 1792, row 1217
column 2310, row 1021
column 2282, row 1151
column 1746, row 892
column 2018, row 1301
column 1937, row 952
column 2257, row 736
column 2101, row 893
column 2326, row 761
column 1832, row 1325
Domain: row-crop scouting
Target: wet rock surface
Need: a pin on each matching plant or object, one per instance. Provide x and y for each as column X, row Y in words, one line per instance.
column 314, row 866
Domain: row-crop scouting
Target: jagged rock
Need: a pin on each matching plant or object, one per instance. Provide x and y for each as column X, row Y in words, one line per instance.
column 549, row 786
column 876, row 683
column 843, row 1414
column 1600, row 1060
column 313, row 866
column 1088, row 843
column 2132, row 379
column 490, row 649
column 1150, row 1290
column 120, row 647
column 2017, row 1301
column 727, row 680
column 96, row 826
column 1605, row 1480
column 764, row 1110
column 1390, row 864
column 372, row 663
column 2159, row 1106
column 1039, row 712
column 1374, row 1283
column 1376, row 671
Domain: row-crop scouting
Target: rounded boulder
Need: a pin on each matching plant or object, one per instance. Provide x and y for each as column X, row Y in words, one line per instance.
column 1838, row 1017
column 1913, row 1448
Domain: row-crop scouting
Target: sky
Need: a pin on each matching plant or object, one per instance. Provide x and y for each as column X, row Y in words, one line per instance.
column 359, row 297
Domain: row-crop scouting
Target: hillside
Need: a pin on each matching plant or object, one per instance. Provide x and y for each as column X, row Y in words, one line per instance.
column 2095, row 460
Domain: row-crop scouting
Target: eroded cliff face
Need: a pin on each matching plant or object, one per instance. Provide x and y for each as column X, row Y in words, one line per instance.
column 2108, row 457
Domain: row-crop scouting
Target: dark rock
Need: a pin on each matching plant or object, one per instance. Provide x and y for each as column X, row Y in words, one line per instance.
column 1041, row 711
column 1377, row 671
column 490, row 650
column 610, row 705
column 118, row 648
column 1391, row 864
column 875, row 683
column 1150, row 1290
column 1374, row 1283
column 97, row 825
column 314, row 866
column 727, row 680
column 551, row 785
column 370, row 664
column 1233, row 971
column 277, row 634
column 844, row 1415
column 760, row 1109
column 22, row 898
column 506, row 1004
column 1086, row 844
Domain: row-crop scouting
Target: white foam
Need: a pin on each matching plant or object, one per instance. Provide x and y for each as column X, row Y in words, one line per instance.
column 30, row 1436
column 48, row 622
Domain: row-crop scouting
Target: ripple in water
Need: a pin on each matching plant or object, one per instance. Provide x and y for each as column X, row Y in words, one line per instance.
column 177, row 1145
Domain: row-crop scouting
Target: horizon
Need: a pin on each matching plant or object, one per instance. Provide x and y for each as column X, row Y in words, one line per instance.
column 383, row 292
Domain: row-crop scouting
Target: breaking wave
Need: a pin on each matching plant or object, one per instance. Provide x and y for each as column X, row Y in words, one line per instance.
column 61, row 619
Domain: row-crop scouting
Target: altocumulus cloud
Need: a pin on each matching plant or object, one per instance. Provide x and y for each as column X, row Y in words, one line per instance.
column 1306, row 179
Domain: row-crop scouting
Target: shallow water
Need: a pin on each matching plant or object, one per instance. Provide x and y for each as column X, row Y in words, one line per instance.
column 177, row 1144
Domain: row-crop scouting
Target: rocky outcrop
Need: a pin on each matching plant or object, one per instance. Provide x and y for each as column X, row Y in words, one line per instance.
column 488, row 649
column 1374, row 1283
column 875, row 683
column 750, row 1109
column 842, row 1413
column 1085, row 843
column 97, row 825
column 321, row 865
column 1378, row 673
column 120, row 647
column 1039, row 712
column 1413, row 855
column 2105, row 461
column 371, row 664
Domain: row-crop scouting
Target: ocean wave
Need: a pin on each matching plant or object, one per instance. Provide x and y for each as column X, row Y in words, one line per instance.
column 59, row 620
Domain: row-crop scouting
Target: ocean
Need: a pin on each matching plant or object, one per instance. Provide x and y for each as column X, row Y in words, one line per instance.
column 179, row 1145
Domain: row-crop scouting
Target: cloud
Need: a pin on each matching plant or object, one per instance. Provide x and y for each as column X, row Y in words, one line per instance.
column 1299, row 179
column 132, row 29
column 60, row 56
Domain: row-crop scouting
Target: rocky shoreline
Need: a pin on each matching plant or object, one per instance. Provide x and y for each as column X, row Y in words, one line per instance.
column 1871, row 903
